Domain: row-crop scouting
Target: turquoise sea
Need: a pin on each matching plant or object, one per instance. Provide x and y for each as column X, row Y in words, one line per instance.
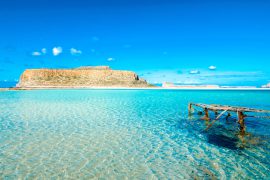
column 129, row 134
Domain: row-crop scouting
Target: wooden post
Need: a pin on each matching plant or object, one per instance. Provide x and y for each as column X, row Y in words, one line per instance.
column 227, row 117
column 216, row 113
column 241, row 122
column 206, row 114
column 189, row 109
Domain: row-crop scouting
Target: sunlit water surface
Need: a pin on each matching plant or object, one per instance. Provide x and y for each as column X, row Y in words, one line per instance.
column 119, row 134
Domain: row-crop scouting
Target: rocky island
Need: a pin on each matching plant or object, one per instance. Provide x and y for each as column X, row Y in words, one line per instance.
column 82, row 77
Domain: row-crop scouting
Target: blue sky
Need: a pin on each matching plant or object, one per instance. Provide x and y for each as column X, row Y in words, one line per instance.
column 161, row 40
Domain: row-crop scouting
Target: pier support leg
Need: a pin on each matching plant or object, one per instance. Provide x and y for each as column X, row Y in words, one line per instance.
column 241, row 122
column 227, row 117
column 190, row 109
column 206, row 114
column 216, row 113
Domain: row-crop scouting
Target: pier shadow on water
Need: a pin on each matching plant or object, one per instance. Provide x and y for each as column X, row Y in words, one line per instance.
column 224, row 137
column 223, row 141
column 231, row 139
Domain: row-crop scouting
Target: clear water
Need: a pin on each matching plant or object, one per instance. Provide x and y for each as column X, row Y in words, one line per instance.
column 140, row 134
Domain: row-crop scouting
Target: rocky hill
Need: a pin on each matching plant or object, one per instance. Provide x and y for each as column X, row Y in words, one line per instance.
column 89, row 76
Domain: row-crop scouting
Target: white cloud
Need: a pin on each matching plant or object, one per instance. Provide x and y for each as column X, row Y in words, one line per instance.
column 74, row 51
column 194, row 72
column 57, row 50
column 205, row 77
column 212, row 67
column 44, row 50
column 36, row 53
column 110, row 59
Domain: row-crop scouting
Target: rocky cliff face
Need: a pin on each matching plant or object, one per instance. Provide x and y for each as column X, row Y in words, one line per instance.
column 97, row 76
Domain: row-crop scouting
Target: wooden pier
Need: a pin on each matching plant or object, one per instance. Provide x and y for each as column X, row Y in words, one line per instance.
column 224, row 110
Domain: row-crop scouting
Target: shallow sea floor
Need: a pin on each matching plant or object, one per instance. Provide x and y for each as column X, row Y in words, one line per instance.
column 117, row 134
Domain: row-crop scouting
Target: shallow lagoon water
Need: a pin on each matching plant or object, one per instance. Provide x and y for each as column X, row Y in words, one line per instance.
column 117, row 134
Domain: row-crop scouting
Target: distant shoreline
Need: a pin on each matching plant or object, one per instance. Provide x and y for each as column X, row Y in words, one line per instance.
column 128, row 88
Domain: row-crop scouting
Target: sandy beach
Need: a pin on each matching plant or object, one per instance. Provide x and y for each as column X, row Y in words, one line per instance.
column 130, row 88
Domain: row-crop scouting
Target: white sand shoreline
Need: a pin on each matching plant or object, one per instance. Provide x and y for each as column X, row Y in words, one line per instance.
column 128, row 88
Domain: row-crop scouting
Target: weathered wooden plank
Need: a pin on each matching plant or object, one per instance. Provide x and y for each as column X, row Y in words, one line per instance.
column 225, row 108
column 216, row 107
column 210, row 125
